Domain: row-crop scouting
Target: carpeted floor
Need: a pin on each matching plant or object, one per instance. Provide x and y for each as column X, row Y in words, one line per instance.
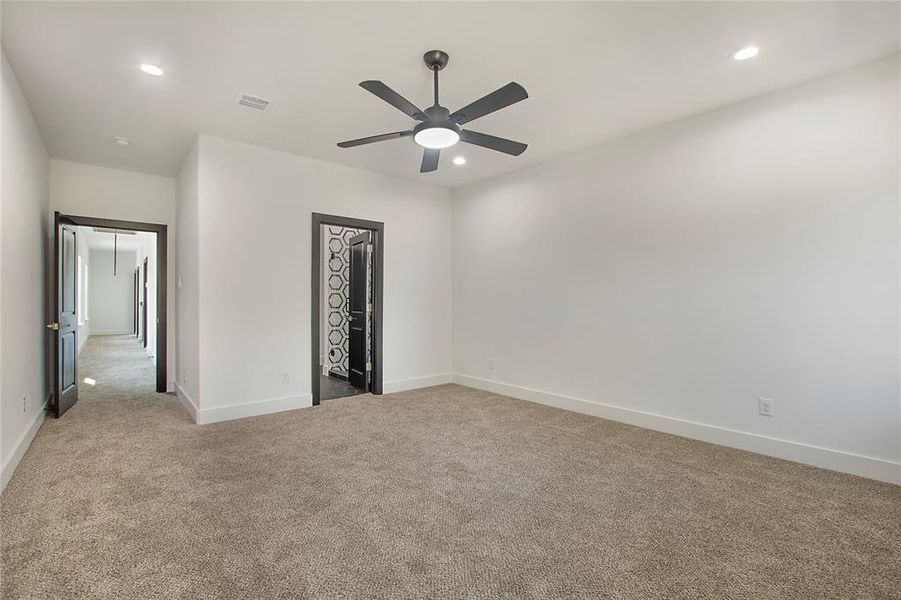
column 445, row 492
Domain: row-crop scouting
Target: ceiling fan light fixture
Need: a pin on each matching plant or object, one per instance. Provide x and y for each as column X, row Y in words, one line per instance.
column 436, row 137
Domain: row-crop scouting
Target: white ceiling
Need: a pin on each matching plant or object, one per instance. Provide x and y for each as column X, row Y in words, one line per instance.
column 97, row 240
column 594, row 71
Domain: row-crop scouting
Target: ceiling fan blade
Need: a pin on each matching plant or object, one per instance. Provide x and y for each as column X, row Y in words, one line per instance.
column 430, row 160
column 493, row 143
column 375, row 138
column 496, row 100
column 393, row 98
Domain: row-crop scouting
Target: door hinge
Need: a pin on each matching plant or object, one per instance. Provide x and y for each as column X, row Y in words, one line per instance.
column 53, row 326
column 369, row 307
column 368, row 366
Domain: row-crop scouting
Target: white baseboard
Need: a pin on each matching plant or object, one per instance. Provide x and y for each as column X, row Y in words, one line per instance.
column 96, row 333
column 186, row 401
column 21, row 447
column 400, row 385
column 252, row 409
column 836, row 460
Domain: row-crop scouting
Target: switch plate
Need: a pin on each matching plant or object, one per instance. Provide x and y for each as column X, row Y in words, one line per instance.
column 765, row 407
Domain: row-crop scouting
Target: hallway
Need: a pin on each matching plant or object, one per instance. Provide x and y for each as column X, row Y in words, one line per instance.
column 120, row 368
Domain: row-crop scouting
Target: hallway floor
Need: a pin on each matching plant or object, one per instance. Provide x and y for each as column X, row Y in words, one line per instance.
column 443, row 492
column 120, row 367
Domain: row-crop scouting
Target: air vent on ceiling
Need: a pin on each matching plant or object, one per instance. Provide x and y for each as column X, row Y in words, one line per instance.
column 254, row 102
column 116, row 231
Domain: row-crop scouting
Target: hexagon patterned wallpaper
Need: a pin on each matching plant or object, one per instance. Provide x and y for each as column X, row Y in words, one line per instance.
column 337, row 280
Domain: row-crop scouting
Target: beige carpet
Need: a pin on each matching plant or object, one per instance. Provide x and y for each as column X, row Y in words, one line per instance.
column 445, row 492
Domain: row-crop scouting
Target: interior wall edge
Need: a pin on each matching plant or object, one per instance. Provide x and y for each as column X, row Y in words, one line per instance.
column 825, row 458
column 256, row 408
column 20, row 449
column 186, row 401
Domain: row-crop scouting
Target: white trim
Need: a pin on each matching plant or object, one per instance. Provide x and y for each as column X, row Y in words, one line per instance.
column 21, row 447
column 170, row 387
column 116, row 332
column 252, row 409
column 186, row 401
column 826, row 458
column 400, row 385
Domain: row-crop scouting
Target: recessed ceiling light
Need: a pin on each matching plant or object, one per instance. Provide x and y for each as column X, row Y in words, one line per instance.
column 459, row 161
column 746, row 53
column 152, row 70
column 121, row 141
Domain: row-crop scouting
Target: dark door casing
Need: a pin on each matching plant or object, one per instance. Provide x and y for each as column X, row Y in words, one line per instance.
column 144, row 305
column 358, row 309
column 136, row 303
column 65, row 303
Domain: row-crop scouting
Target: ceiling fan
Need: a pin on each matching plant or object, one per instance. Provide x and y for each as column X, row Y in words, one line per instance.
column 438, row 127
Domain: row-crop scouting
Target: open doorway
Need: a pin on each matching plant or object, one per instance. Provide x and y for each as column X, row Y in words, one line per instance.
column 109, row 303
column 346, row 307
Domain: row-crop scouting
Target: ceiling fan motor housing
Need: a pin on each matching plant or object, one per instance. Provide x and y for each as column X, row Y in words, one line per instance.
column 435, row 60
column 438, row 116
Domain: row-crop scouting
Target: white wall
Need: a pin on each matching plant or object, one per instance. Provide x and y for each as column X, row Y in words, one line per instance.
column 83, row 301
column 254, row 267
column 187, row 277
column 88, row 190
column 111, row 297
column 686, row 271
column 24, row 231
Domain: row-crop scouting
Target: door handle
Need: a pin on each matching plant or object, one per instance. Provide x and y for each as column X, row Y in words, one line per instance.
column 54, row 326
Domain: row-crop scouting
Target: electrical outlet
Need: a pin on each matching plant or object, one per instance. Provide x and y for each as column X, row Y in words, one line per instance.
column 24, row 403
column 765, row 407
column 490, row 364
column 284, row 377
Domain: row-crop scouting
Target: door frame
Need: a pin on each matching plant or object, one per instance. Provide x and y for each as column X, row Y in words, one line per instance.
column 144, row 283
column 161, row 232
column 137, row 310
column 378, row 252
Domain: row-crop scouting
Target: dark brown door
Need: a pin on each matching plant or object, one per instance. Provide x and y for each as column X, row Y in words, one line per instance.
column 65, row 328
column 144, row 305
column 358, row 324
column 137, row 310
